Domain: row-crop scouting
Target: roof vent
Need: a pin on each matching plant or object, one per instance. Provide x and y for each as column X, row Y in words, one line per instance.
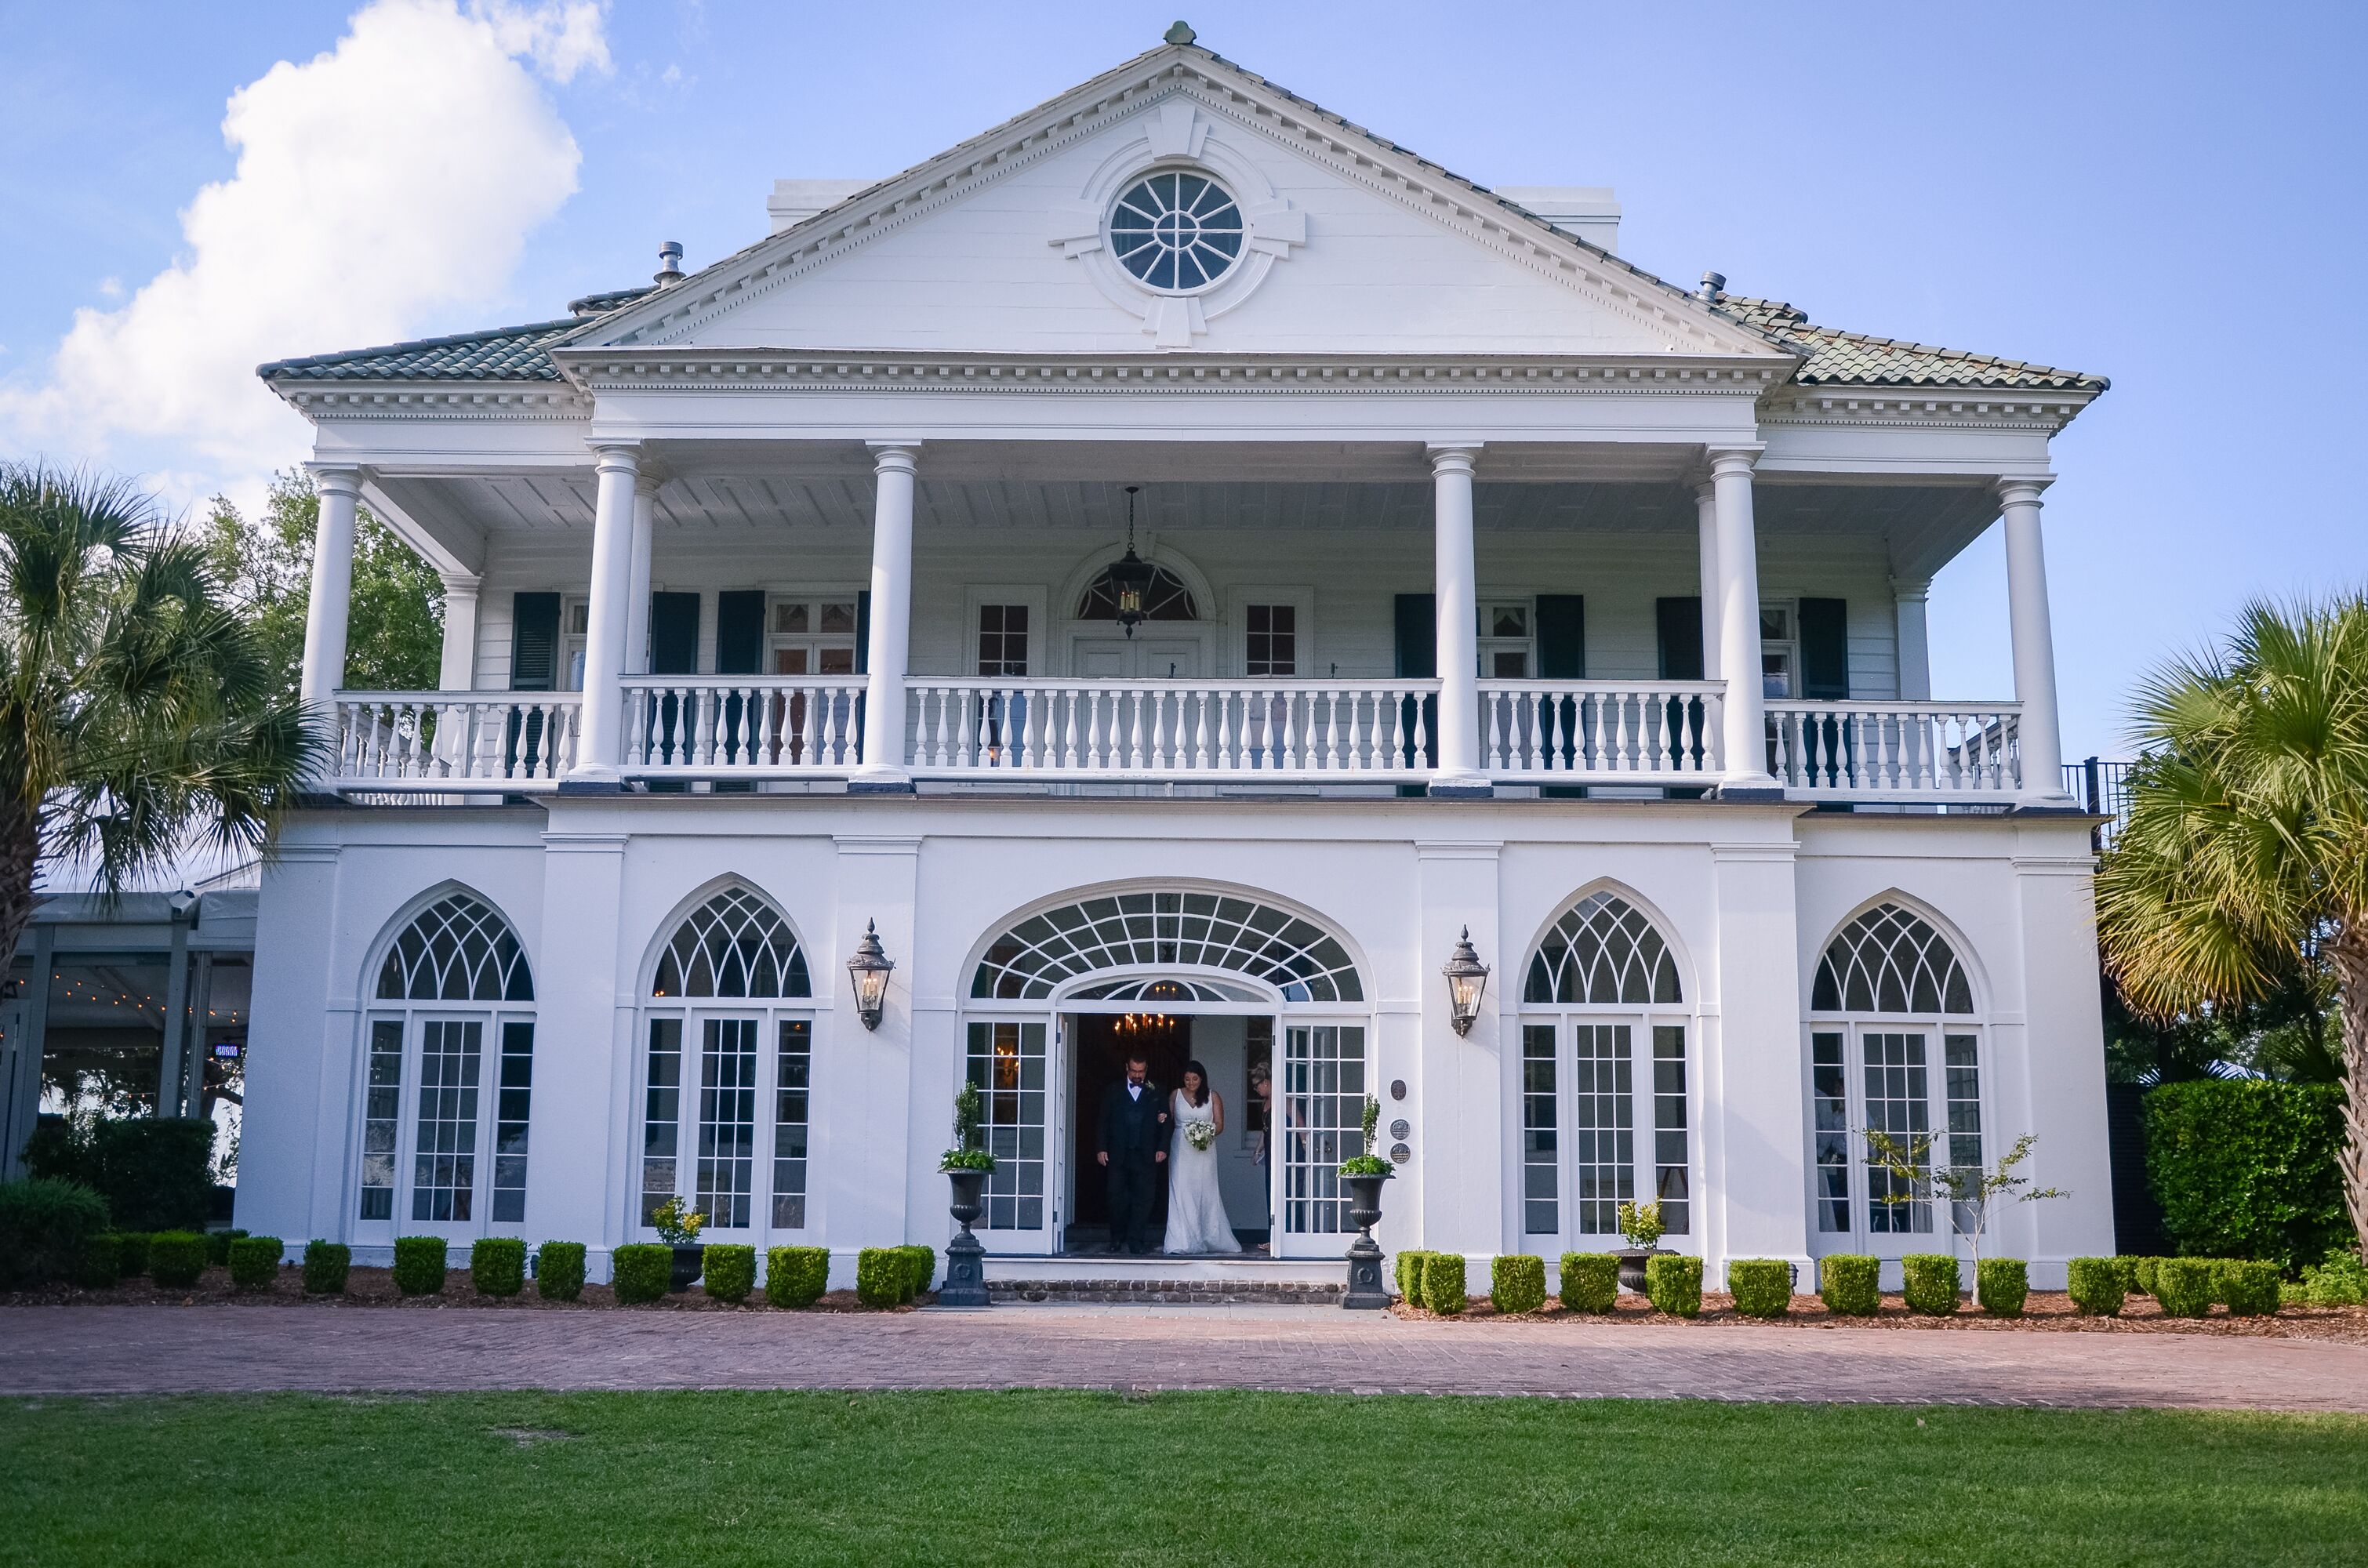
column 1180, row 33
column 669, row 270
column 1714, row 288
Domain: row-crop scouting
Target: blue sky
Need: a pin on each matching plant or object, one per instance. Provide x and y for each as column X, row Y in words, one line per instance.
column 2169, row 196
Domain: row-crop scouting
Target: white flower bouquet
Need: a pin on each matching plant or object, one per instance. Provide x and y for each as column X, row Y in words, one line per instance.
column 1200, row 1134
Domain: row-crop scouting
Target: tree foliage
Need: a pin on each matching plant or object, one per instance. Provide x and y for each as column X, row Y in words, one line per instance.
column 2245, row 1168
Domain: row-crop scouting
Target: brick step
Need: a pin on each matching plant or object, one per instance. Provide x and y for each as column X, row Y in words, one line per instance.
column 1168, row 1292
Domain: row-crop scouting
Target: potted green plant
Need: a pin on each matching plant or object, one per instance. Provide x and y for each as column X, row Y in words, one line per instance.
column 678, row 1225
column 967, row 1165
column 1641, row 1224
column 1363, row 1174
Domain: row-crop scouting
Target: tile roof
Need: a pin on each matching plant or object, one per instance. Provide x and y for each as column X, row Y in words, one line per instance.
column 1831, row 357
column 502, row 354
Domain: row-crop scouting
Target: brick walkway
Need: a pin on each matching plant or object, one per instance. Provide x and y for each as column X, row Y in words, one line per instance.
column 133, row 1349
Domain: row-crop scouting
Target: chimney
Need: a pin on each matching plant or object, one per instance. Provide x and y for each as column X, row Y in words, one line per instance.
column 1583, row 211
column 669, row 272
column 1714, row 288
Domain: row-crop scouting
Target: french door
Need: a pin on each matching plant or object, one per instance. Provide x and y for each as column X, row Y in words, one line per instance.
column 1916, row 1082
column 1320, row 1110
column 1604, row 1118
column 725, row 1118
column 1008, row 1061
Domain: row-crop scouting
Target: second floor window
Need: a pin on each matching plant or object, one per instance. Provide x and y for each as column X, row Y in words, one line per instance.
column 813, row 637
column 1778, row 650
column 1003, row 639
column 1273, row 647
column 578, row 620
column 1505, row 639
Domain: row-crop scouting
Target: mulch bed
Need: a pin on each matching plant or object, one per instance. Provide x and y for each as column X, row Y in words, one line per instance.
column 375, row 1288
column 2046, row 1311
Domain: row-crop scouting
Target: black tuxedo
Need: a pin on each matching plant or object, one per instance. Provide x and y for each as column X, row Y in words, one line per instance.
column 1133, row 1134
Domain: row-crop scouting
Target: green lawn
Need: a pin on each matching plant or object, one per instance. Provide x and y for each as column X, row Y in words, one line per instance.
column 1202, row 1479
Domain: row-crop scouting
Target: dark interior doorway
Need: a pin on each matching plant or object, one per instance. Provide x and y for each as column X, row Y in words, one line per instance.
column 1101, row 1043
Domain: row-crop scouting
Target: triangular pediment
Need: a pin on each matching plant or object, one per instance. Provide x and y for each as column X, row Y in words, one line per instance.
column 1339, row 243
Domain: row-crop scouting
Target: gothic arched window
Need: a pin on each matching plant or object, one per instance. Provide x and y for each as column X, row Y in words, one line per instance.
column 1602, row 950
column 733, row 945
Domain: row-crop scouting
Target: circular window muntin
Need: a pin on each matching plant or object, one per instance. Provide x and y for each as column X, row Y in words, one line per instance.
column 1178, row 231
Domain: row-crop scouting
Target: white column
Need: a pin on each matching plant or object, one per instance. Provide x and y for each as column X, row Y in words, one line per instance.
column 884, row 769
column 2041, row 745
column 1456, row 596
column 458, row 669
column 1914, row 644
column 602, row 725
column 1738, row 624
column 333, row 583
column 1706, row 533
column 637, row 580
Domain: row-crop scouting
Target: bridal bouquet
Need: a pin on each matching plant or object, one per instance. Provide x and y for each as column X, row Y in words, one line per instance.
column 1200, row 1134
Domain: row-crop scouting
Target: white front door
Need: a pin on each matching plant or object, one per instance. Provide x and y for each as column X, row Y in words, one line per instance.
column 1148, row 656
column 1007, row 1062
column 1320, row 1105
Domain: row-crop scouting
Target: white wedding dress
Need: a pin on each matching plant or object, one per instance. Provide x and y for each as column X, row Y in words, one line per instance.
column 1196, row 1210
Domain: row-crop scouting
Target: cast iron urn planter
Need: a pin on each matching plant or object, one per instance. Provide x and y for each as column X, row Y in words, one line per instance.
column 1632, row 1265
column 965, row 1281
column 689, row 1261
column 1366, row 1292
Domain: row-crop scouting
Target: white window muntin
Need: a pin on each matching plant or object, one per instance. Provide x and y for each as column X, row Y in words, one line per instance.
column 1599, row 1157
column 725, row 1114
column 1907, row 1074
column 392, row 1166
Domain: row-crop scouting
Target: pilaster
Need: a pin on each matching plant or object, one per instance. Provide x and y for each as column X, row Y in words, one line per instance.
column 1461, row 1106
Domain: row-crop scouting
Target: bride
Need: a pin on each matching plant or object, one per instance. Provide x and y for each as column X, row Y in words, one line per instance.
column 1196, row 1211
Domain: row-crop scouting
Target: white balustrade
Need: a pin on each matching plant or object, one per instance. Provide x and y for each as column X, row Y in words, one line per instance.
column 742, row 726
column 1907, row 751
column 1610, row 731
column 519, row 741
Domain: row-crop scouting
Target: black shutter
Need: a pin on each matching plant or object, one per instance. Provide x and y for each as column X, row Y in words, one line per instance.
column 740, row 631
column 1825, row 649
column 1561, row 637
column 1679, row 625
column 534, row 641
column 1418, row 659
column 674, row 634
column 864, row 632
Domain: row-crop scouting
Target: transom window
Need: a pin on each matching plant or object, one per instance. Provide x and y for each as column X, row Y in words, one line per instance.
column 456, row 950
column 1889, row 961
column 733, row 945
column 1298, row 958
column 1507, row 637
column 1166, row 599
column 1602, row 950
column 813, row 637
column 1177, row 231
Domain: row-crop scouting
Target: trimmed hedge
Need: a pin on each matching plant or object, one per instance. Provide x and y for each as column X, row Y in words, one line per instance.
column 176, row 1258
column 2246, row 1167
column 2183, row 1286
column 218, row 1246
column 45, row 1224
column 1590, row 1280
column 731, row 1271
column 1762, row 1287
column 2098, row 1285
column 325, row 1265
column 1929, row 1282
column 1850, row 1283
column 1409, row 1275
column 419, row 1265
column 132, row 1250
column 2142, row 1274
column 559, row 1271
column 255, row 1263
column 881, row 1274
column 157, row 1174
column 923, row 1261
column 100, row 1267
column 1673, row 1283
column 1516, row 1283
column 796, row 1277
column 2248, row 1285
column 2001, row 1285
column 1446, row 1288
column 641, row 1271
column 497, row 1265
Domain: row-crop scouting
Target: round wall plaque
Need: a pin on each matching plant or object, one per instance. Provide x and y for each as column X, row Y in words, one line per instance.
column 1401, row 1128
column 1400, row 1154
column 1397, row 1089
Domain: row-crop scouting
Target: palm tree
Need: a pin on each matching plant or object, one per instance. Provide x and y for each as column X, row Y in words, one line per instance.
column 2246, row 849
column 137, row 717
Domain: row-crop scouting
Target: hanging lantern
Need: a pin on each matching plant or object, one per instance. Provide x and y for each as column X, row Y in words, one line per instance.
column 1129, row 578
column 1467, row 980
column 868, row 969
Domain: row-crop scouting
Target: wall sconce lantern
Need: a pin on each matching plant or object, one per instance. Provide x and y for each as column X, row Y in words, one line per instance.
column 868, row 969
column 1467, row 980
column 1131, row 577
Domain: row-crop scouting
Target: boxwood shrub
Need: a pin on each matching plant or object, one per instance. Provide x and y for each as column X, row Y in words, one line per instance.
column 497, row 1265
column 923, row 1261
column 131, row 1254
column 1762, row 1287
column 1446, row 1288
column 1673, row 1283
column 419, row 1265
column 1851, row 1284
column 2098, row 1285
column 325, row 1265
column 1929, row 1282
column 2002, row 1285
column 559, row 1271
column 1409, row 1275
column 2247, row 1167
column 1516, row 1283
column 2249, row 1285
column 255, row 1263
column 100, row 1267
column 1590, row 1280
column 880, row 1276
column 796, row 1277
column 176, row 1258
column 2183, row 1286
column 641, row 1271
column 2142, row 1274
column 731, row 1271
column 218, row 1246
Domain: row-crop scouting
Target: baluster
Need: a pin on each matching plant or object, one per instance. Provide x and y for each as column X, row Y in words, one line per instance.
column 1420, row 750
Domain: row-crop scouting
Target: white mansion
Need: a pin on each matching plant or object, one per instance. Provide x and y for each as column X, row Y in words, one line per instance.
column 1171, row 565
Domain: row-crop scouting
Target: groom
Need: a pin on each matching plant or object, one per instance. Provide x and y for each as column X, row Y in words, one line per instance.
column 1133, row 1147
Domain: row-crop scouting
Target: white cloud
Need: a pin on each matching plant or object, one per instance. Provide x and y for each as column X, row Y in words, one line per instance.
column 379, row 186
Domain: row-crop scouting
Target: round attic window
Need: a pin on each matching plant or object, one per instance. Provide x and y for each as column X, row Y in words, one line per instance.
column 1177, row 231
